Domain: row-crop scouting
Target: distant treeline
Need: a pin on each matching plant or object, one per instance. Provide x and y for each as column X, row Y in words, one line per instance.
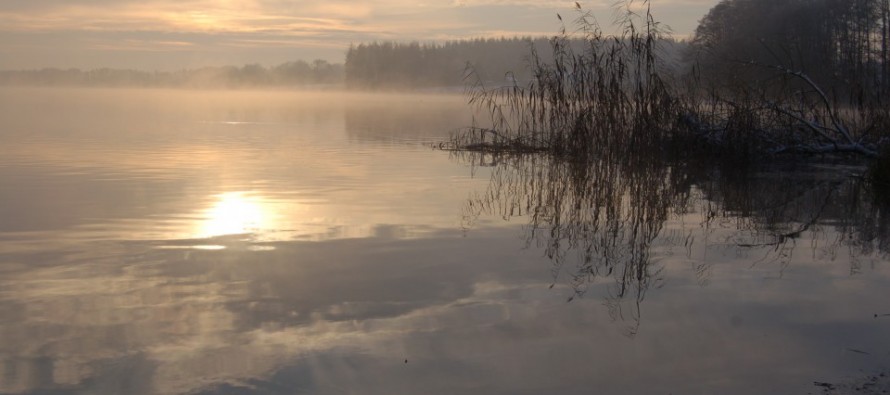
column 379, row 65
column 401, row 65
column 492, row 61
column 297, row 73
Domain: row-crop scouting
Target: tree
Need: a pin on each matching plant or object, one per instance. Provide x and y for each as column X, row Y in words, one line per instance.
column 841, row 44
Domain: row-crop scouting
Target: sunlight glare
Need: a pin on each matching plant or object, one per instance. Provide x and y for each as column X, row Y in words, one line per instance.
column 233, row 213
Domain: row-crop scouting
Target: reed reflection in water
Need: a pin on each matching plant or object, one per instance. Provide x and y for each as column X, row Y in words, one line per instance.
column 608, row 221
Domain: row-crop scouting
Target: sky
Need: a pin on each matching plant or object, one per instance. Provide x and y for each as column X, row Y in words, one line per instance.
column 177, row 34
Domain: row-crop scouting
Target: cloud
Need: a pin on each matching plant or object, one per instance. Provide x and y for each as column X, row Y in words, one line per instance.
column 331, row 24
column 260, row 15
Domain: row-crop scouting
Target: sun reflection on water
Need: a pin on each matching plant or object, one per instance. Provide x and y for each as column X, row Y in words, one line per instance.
column 234, row 213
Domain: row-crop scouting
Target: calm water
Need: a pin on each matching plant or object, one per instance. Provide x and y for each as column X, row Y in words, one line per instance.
column 168, row 242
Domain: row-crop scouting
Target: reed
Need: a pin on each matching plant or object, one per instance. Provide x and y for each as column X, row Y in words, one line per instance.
column 607, row 92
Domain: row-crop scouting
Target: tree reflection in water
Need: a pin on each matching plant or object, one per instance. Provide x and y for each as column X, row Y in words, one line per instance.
column 599, row 220
column 777, row 207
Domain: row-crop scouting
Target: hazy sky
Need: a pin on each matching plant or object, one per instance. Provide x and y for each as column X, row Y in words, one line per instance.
column 170, row 34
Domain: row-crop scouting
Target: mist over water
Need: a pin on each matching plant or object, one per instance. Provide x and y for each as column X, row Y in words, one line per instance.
column 175, row 241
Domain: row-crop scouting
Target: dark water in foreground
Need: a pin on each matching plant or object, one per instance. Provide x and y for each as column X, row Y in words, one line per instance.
column 156, row 242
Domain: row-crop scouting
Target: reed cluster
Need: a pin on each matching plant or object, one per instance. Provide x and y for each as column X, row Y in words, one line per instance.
column 606, row 92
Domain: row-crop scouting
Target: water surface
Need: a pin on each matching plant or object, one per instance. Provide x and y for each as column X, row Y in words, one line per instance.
column 167, row 242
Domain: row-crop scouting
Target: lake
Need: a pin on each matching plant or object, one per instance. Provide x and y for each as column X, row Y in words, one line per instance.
column 247, row 242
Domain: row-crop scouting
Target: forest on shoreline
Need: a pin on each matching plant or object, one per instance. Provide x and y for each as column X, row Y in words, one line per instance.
column 290, row 74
